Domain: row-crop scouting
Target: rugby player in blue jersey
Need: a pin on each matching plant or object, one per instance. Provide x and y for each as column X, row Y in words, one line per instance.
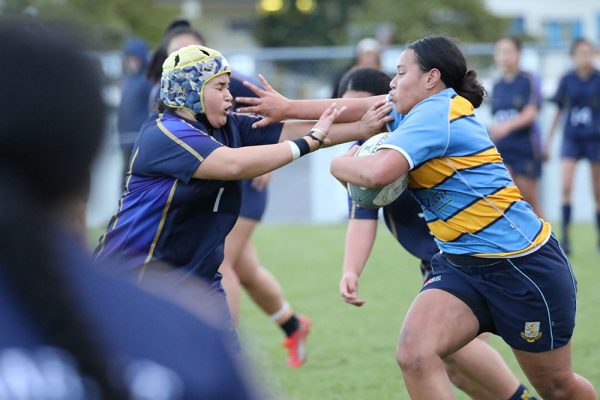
column 515, row 103
column 182, row 193
column 500, row 269
column 477, row 369
column 578, row 101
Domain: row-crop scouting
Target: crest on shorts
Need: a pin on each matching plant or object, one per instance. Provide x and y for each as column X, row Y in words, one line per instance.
column 531, row 332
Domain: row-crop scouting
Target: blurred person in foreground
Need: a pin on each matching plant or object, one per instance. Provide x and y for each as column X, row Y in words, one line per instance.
column 578, row 102
column 70, row 331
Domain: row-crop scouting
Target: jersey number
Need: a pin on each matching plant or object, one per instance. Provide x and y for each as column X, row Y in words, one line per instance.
column 581, row 116
column 218, row 200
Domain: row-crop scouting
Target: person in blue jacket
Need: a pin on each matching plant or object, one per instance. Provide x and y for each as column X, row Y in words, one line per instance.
column 578, row 101
column 69, row 330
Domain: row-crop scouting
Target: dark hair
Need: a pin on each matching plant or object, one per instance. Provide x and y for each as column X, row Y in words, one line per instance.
column 369, row 80
column 176, row 28
column 442, row 53
column 516, row 42
column 577, row 42
column 51, row 130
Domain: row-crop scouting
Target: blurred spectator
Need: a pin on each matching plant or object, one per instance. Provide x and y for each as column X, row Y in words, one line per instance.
column 516, row 102
column 578, row 101
column 367, row 55
column 135, row 89
column 70, row 331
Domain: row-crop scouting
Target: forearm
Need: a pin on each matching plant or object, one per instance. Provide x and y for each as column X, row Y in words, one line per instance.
column 338, row 133
column 524, row 119
column 312, row 109
column 245, row 162
column 360, row 237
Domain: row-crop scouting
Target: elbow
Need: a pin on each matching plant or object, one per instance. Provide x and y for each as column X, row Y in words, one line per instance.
column 233, row 171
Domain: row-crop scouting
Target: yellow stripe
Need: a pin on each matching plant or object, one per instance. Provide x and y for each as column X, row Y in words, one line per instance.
column 116, row 218
column 353, row 210
column 477, row 216
column 177, row 140
column 540, row 238
column 158, row 231
column 434, row 171
column 459, row 107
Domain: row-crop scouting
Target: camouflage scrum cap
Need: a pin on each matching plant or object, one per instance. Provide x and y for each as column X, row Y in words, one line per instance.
column 185, row 73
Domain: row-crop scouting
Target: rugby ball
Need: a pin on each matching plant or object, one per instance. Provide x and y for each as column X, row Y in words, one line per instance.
column 375, row 198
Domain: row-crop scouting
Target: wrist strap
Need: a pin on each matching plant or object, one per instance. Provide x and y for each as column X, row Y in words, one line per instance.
column 295, row 150
column 302, row 146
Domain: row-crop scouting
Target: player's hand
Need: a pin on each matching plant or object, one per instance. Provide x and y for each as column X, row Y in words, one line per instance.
column 349, row 289
column 260, row 183
column 321, row 128
column 374, row 120
column 270, row 104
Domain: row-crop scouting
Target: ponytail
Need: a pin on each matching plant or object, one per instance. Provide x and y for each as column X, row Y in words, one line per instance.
column 471, row 89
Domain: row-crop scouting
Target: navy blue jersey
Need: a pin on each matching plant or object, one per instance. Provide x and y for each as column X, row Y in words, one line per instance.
column 404, row 219
column 509, row 98
column 581, row 100
column 142, row 336
column 166, row 216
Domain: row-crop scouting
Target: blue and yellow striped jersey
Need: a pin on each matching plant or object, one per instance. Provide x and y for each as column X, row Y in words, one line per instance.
column 469, row 201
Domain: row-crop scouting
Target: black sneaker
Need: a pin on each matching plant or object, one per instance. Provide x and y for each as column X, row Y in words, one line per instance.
column 565, row 244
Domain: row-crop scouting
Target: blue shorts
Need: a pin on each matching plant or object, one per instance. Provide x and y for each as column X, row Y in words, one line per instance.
column 217, row 303
column 529, row 301
column 254, row 201
column 577, row 148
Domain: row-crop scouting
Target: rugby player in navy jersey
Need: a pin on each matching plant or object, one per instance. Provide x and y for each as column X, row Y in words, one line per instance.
column 515, row 104
column 477, row 369
column 578, row 101
column 241, row 265
column 182, row 193
column 500, row 269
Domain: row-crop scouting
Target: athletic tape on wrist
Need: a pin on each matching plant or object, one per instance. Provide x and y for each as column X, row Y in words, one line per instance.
column 295, row 150
column 302, row 145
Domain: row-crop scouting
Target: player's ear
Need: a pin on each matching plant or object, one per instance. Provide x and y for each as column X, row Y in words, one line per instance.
column 433, row 77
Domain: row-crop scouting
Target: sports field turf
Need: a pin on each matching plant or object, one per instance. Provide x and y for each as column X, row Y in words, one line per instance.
column 351, row 350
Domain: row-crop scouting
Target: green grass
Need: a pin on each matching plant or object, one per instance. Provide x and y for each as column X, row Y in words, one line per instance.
column 351, row 350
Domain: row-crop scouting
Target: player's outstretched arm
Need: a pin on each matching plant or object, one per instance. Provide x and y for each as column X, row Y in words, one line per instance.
column 226, row 163
column 274, row 107
column 360, row 237
column 372, row 122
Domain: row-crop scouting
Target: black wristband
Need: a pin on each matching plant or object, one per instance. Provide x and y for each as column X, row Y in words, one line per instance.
column 302, row 146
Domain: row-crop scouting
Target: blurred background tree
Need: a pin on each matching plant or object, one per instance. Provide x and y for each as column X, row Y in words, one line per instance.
column 106, row 22
column 344, row 22
column 293, row 23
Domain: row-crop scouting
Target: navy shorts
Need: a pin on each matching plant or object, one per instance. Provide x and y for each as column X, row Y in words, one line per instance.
column 521, row 156
column 254, row 201
column 529, row 301
column 578, row 148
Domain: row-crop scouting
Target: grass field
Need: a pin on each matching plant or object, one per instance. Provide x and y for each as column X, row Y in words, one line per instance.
column 351, row 350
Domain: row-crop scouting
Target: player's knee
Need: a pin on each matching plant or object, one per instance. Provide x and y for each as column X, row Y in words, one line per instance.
column 557, row 387
column 412, row 360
